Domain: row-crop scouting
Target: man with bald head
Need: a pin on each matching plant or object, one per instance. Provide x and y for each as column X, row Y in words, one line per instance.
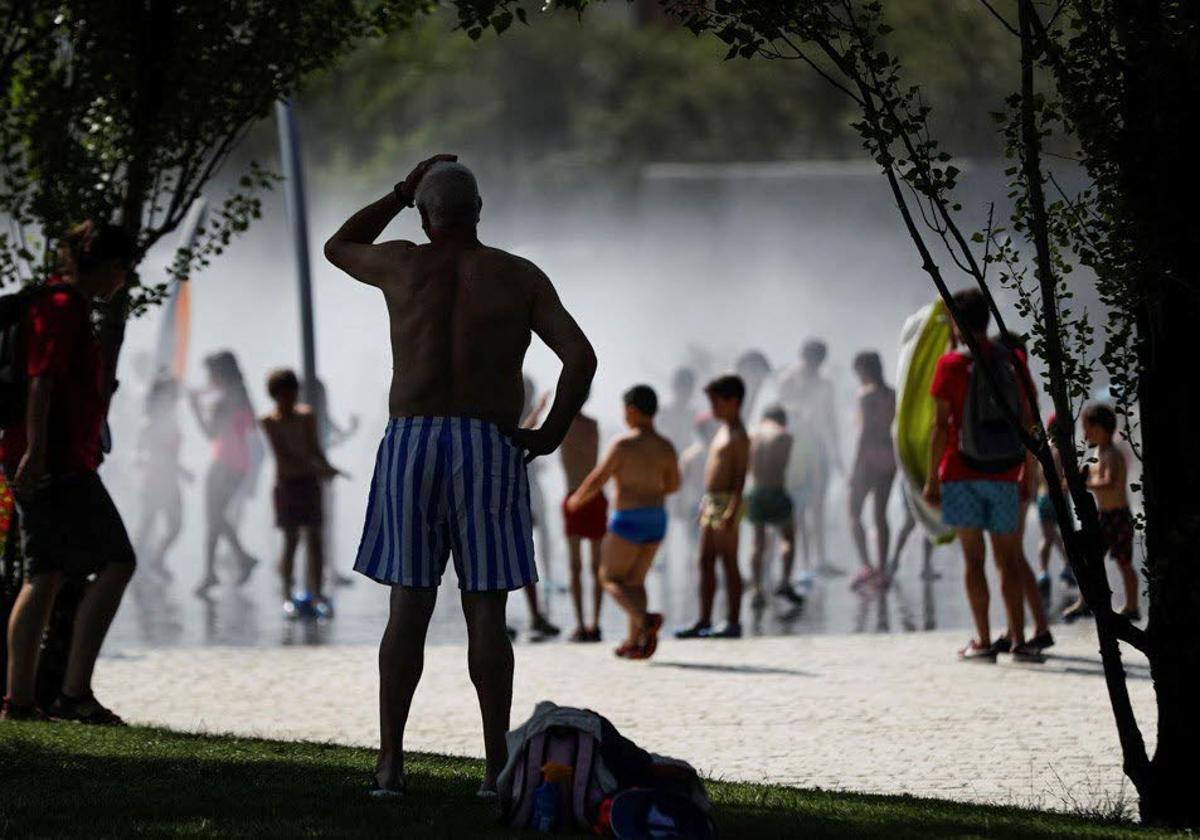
column 450, row 474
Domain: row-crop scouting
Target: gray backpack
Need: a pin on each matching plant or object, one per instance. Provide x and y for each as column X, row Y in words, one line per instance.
column 580, row 803
column 988, row 441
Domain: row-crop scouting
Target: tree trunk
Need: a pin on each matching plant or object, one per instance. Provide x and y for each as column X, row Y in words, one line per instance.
column 1169, row 394
column 1159, row 183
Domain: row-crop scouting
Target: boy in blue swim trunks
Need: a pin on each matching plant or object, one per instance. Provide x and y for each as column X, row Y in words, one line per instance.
column 645, row 469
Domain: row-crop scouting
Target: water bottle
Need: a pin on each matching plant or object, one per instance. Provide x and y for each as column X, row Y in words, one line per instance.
column 545, row 807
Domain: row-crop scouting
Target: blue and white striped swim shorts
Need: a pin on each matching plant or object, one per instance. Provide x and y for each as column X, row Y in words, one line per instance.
column 442, row 485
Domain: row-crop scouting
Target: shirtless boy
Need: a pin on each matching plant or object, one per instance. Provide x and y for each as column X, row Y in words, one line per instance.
column 768, row 504
column 450, row 474
column 300, row 467
column 643, row 464
column 721, row 511
column 1107, row 479
column 580, row 451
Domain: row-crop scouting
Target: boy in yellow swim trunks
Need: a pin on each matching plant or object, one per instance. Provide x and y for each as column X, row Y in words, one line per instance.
column 721, row 510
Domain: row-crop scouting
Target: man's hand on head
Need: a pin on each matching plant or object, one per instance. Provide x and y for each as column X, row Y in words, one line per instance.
column 406, row 190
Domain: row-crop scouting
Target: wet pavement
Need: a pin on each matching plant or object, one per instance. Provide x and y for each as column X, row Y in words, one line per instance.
column 167, row 614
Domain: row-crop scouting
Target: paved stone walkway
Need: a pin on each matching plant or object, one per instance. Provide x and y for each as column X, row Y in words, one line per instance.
column 883, row 713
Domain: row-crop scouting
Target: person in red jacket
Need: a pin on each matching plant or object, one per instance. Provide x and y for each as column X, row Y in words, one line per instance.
column 68, row 524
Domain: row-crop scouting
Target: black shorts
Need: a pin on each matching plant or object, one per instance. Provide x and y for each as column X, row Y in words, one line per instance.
column 71, row 525
column 298, row 502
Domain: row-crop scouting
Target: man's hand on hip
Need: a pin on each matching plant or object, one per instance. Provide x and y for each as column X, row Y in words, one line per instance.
column 535, row 442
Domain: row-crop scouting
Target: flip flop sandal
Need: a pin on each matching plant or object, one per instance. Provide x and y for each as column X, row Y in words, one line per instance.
column 376, row 791
column 85, row 709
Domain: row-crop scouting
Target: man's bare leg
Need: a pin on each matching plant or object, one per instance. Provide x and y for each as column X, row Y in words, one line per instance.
column 26, row 624
column 401, row 659
column 1009, row 561
column 817, row 509
column 802, row 537
column 856, row 501
column 619, row 560
column 757, row 551
column 883, row 532
column 906, row 530
column 287, row 562
column 975, row 578
column 787, row 537
column 1033, row 595
column 174, row 526
column 1129, row 578
column 315, row 570
column 575, row 567
column 94, row 616
column 1046, row 545
column 490, row 660
column 597, row 587
column 212, row 533
column 728, row 552
column 531, row 599
column 1026, row 578
column 708, row 574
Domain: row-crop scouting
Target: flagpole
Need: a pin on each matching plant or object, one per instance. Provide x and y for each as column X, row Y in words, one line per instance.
column 289, row 150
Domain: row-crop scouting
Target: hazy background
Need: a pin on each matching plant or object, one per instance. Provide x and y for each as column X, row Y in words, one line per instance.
column 686, row 209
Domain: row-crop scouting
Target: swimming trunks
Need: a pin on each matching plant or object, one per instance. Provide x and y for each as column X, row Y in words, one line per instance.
column 442, row 485
column 1045, row 509
column 640, row 526
column 713, row 507
column 769, row 506
column 589, row 522
column 298, row 502
column 1116, row 529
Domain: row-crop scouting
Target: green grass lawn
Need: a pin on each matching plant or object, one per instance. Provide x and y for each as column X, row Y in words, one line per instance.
column 61, row 780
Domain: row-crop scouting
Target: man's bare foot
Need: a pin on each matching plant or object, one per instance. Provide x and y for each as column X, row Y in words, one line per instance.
column 487, row 790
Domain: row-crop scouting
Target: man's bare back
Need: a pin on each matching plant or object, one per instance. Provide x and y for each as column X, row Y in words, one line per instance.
column 769, row 453
column 646, row 469
column 729, row 448
column 462, row 315
column 461, row 322
column 580, row 450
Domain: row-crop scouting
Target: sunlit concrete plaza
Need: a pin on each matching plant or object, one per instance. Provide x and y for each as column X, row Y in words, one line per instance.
column 881, row 714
